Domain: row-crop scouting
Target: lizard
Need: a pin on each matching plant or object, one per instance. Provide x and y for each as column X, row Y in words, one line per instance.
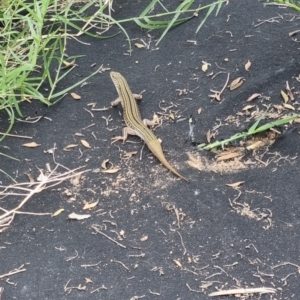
column 134, row 122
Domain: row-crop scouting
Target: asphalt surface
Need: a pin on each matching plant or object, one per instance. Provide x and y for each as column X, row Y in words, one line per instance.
column 150, row 235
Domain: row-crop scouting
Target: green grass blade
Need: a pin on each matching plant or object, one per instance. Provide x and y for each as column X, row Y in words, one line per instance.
column 180, row 9
column 148, row 8
column 73, row 86
column 11, row 115
column 241, row 135
column 8, row 156
column 276, row 123
column 2, row 171
column 210, row 10
column 254, row 126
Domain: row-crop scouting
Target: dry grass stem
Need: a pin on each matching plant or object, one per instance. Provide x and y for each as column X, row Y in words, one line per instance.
column 17, row 136
column 95, row 227
column 262, row 290
column 15, row 271
column 30, row 188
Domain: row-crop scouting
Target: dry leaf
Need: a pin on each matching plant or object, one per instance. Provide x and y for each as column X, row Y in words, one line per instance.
column 111, row 171
column 155, row 119
column 48, row 167
column 254, row 96
column 81, row 288
column 288, row 106
column 90, row 205
column 139, row 46
column 75, row 96
column 68, row 64
column 104, row 164
column 199, row 111
column 178, row 263
column 74, row 216
column 247, row 65
column 297, row 120
column 130, row 154
column 247, row 107
column 75, row 180
column 79, row 134
column 236, row 83
column 88, row 280
column 206, row 285
column 284, row 96
column 182, row 92
column 42, row 177
column 278, row 107
column 58, row 212
column 204, row 66
column 67, row 193
column 254, row 145
column 192, row 41
column 227, row 156
column 193, row 161
column 293, row 32
column 69, row 147
column 172, row 116
column 215, row 96
column 31, row 145
column 289, row 91
column 85, row 144
column 31, row 179
column 144, row 238
column 236, row 184
column 209, row 135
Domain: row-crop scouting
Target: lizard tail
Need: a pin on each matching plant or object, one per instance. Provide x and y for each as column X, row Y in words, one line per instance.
column 156, row 149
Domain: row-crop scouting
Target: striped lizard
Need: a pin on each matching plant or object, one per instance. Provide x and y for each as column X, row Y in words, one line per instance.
column 134, row 122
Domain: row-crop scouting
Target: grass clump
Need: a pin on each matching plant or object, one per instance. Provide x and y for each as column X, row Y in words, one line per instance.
column 254, row 129
column 287, row 3
column 33, row 39
column 34, row 35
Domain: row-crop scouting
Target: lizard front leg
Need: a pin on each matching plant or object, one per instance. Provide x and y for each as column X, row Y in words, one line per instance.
column 119, row 100
column 126, row 131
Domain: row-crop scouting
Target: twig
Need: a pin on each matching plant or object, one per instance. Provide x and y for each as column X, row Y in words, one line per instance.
column 92, row 265
column 285, row 264
column 271, row 20
column 46, row 182
column 287, row 276
column 103, row 287
column 73, row 257
column 119, row 262
column 100, row 109
column 217, row 267
column 111, row 239
column 18, row 136
column 262, row 290
column 184, row 252
column 212, row 275
column 192, row 290
column 19, row 270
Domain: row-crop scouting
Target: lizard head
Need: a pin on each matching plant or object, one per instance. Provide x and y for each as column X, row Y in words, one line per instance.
column 116, row 77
